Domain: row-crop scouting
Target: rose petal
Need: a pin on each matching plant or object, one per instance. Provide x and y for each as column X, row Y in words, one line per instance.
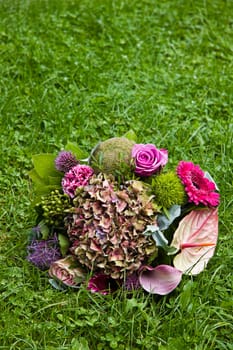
column 161, row 280
column 148, row 159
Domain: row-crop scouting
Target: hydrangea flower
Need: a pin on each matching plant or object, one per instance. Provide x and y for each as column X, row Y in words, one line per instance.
column 106, row 229
column 199, row 189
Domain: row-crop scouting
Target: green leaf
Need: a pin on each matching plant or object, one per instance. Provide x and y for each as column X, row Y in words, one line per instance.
column 76, row 150
column 42, row 190
column 36, row 179
column 44, row 165
column 64, row 243
column 130, row 135
column 44, row 229
column 54, row 180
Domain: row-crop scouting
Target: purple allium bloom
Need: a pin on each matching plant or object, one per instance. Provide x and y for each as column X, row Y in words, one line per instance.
column 132, row 282
column 78, row 176
column 42, row 253
column 65, row 161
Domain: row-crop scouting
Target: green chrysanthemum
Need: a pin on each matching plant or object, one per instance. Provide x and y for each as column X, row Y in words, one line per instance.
column 112, row 156
column 168, row 190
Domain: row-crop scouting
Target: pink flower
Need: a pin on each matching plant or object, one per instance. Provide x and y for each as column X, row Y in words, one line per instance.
column 161, row 279
column 77, row 176
column 196, row 238
column 148, row 159
column 65, row 271
column 101, row 283
column 198, row 188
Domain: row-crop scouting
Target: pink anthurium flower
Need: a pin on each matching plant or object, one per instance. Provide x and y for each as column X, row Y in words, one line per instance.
column 196, row 238
column 161, row 279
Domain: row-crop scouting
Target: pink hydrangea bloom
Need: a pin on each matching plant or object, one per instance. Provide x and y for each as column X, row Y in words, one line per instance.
column 199, row 189
column 78, row 176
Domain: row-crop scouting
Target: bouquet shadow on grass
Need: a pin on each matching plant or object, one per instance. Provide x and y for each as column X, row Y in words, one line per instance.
column 116, row 219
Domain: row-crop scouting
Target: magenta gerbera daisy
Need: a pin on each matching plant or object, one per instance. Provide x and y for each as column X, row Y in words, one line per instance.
column 199, row 189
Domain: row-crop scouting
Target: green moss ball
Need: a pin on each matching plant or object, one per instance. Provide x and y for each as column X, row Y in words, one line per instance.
column 112, row 156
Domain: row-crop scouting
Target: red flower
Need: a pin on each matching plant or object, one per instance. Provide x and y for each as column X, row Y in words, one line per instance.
column 101, row 283
column 199, row 189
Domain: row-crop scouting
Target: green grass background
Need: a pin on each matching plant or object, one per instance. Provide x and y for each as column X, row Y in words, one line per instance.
column 85, row 71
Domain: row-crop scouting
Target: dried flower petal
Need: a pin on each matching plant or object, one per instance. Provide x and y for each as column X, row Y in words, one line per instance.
column 112, row 238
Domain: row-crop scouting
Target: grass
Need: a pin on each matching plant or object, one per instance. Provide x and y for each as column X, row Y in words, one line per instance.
column 85, row 71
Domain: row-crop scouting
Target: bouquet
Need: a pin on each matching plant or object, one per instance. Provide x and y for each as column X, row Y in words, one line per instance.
column 120, row 218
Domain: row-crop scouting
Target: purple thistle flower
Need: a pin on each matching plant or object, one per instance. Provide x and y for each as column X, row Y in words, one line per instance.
column 42, row 253
column 65, row 161
column 132, row 282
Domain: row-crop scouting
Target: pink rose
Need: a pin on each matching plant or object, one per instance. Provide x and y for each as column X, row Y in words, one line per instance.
column 65, row 270
column 148, row 159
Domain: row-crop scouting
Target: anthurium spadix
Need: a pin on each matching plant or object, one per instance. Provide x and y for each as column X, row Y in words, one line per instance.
column 196, row 238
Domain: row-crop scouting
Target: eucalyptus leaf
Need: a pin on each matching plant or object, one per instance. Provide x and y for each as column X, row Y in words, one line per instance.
column 164, row 221
column 160, row 239
column 57, row 285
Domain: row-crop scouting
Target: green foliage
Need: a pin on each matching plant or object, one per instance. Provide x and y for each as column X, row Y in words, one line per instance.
column 44, row 175
column 130, row 135
column 86, row 71
column 77, row 151
column 63, row 243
